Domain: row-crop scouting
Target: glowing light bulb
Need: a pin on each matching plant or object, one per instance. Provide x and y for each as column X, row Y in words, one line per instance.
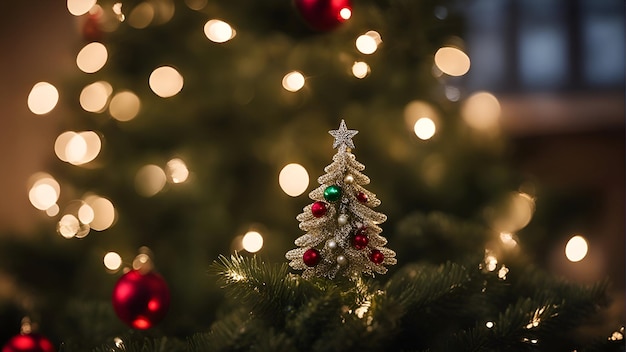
column 424, row 128
column 360, row 69
column 94, row 97
column 218, row 31
column 345, row 13
column 252, row 241
column 79, row 7
column 44, row 191
column 576, row 248
column 293, row 81
column 293, row 179
column 43, row 97
column 417, row 109
column 112, row 261
column 43, row 196
column 76, row 149
column 124, row 106
column 150, row 180
column 368, row 43
column 92, row 57
column 481, row 111
column 141, row 16
column 177, row 171
column 166, row 81
column 452, row 61
column 103, row 212
column 85, row 213
column 68, row 226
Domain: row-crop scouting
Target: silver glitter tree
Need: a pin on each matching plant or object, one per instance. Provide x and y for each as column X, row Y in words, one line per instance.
column 342, row 233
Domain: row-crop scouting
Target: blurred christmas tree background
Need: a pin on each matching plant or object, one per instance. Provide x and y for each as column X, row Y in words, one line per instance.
column 485, row 127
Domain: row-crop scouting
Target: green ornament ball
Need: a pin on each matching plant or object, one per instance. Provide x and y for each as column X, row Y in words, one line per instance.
column 332, row 193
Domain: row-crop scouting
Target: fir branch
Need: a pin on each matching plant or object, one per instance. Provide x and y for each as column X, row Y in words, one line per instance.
column 267, row 289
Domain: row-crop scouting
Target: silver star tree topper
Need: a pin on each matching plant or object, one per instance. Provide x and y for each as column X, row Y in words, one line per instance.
column 343, row 137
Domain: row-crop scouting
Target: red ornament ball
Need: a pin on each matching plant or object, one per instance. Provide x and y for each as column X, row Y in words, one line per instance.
column 360, row 240
column 318, row 209
column 362, row 197
column 141, row 300
column 311, row 257
column 28, row 343
column 324, row 15
column 377, row 256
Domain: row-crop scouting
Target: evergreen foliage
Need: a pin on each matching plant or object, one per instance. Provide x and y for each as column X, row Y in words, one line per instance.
column 235, row 127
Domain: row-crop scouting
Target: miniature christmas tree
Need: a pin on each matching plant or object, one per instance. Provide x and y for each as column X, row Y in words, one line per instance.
column 343, row 235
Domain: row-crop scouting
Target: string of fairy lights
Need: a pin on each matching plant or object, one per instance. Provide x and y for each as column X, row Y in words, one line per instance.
column 481, row 111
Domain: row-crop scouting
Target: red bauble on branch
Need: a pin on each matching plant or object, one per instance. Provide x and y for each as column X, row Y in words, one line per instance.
column 141, row 300
column 28, row 343
column 318, row 209
column 377, row 257
column 311, row 257
column 324, row 15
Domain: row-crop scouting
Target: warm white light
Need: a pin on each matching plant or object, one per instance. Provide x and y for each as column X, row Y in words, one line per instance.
column 368, row 42
column 293, row 179
column 166, row 82
column 141, row 16
column 489, row 324
column 360, row 69
column 76, row 149
column 417, row 109
column 515, row 213
column 43, row 97
column 345, row 13
column 92, row 57
column 85, row 214
column 481, row 111
column 452, row 61
column 218, row 31
column 150, row 180
column 491, row 262
column 60, row 144
column 44, row 191
column 79, row 7
column 508, row 240
column 53, row 210
column 252, row 241
column 142, row 261
column 112, row 261
column 293, row 81
column 117, row 10
column 103, row 210
column 68, row 226
column 576, row 249
column 124, row 106
column 94, row 97
column 177, row 171
column 424, row 128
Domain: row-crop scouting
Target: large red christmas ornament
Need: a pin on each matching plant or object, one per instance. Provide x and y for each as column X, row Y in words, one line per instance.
column 28, row 343
column 324, row 15
column 318, row 209
column 311, row 257
column 141, row 300
column 377, row 256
